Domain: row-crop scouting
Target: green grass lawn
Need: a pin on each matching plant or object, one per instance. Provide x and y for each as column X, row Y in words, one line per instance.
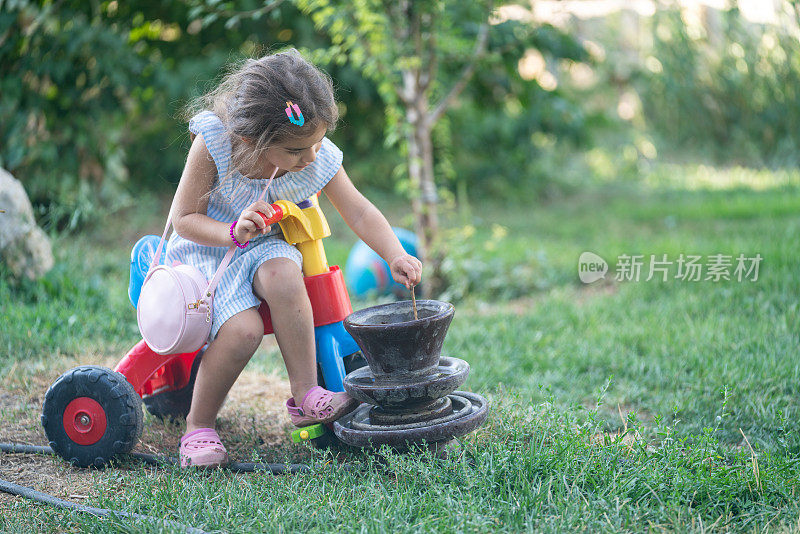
column 615, row 406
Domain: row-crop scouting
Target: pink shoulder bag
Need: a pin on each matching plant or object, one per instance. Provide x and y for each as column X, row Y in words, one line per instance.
column 175, row 307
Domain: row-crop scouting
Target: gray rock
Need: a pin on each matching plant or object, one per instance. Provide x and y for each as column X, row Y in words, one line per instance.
column 24, row 247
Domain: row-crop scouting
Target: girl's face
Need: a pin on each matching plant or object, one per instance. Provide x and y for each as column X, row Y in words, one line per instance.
column 293, row 155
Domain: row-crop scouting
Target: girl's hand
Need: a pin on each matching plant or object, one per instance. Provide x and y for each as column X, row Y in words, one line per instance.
column 406, row 270
column 250, row 224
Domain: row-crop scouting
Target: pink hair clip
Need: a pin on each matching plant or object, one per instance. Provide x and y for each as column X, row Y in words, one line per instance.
column 299, row 121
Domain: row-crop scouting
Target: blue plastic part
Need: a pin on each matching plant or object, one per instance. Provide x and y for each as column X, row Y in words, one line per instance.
column 333, row 344
column 366, row 272
column 141, row 257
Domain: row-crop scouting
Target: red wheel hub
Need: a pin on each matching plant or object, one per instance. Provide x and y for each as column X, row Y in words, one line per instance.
column 84, row 421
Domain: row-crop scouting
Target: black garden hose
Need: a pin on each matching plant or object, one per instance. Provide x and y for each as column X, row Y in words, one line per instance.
column 30, row 493
column 151, row 459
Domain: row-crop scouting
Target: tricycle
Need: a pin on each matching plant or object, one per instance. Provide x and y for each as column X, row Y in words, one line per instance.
column 91, row 413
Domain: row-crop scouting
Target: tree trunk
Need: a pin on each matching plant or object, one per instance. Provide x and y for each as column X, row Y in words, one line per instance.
column 420, row 120
column 423, row 184
column 414, row 161
column 430, row 209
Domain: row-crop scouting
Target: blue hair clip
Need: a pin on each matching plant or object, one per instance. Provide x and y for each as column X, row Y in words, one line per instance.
column 299, row 121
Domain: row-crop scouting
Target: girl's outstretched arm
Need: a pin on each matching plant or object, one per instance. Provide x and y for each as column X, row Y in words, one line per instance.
column 371, row 226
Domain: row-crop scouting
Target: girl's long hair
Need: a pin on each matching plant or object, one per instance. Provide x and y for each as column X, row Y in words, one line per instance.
column 251, row 101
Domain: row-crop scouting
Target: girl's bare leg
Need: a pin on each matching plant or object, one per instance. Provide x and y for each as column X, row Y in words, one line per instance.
column 279, row 281
column 222, row 363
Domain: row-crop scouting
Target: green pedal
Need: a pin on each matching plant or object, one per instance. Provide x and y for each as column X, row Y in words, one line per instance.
column 308, row 432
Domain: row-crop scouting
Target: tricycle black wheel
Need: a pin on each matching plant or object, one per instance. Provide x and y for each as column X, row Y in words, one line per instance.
column 174, row 404
column 91, row 414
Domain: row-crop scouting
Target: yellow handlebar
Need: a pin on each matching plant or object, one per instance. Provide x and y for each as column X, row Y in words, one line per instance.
column 305, row 228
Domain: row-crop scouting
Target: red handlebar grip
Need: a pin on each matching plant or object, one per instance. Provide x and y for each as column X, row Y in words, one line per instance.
column 275, row 218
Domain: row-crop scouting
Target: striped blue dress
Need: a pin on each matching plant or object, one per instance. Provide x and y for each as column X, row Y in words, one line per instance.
column 235, row 290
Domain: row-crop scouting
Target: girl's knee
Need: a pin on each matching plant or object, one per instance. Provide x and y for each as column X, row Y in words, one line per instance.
column 243, row 332
column 279, row 279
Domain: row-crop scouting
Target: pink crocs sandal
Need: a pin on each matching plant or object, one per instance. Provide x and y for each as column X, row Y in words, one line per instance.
column 320, row 406
column 202, row 448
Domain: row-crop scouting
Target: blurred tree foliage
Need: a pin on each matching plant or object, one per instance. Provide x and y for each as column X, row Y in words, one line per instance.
column 91, row 94
column 91, row 91
column 422, row 55
column 728, row 87
column 66, row 75
column 496, row 129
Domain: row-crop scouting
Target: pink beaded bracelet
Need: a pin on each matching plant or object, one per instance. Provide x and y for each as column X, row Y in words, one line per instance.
column 234, row 237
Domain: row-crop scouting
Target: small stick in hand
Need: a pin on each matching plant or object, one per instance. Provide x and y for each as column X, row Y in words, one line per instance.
column 414, row 302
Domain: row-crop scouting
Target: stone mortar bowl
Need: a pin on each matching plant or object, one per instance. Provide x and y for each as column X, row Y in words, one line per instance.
column 396, row 345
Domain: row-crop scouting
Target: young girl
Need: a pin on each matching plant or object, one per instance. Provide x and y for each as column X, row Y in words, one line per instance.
column 238, row 141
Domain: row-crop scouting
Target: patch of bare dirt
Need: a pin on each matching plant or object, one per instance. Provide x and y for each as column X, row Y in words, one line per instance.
column 47, row 474
column 253, row 418
column 21, row 397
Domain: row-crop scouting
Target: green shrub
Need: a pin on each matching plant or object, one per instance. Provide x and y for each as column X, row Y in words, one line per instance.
column 66, row 76
column 474, row 267
column 730, row 91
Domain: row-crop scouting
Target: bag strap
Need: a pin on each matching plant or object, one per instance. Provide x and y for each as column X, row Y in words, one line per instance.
column 212, row 286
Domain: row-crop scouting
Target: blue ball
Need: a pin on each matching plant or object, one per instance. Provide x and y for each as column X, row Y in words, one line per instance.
column 366, row 272
column 141, row 257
